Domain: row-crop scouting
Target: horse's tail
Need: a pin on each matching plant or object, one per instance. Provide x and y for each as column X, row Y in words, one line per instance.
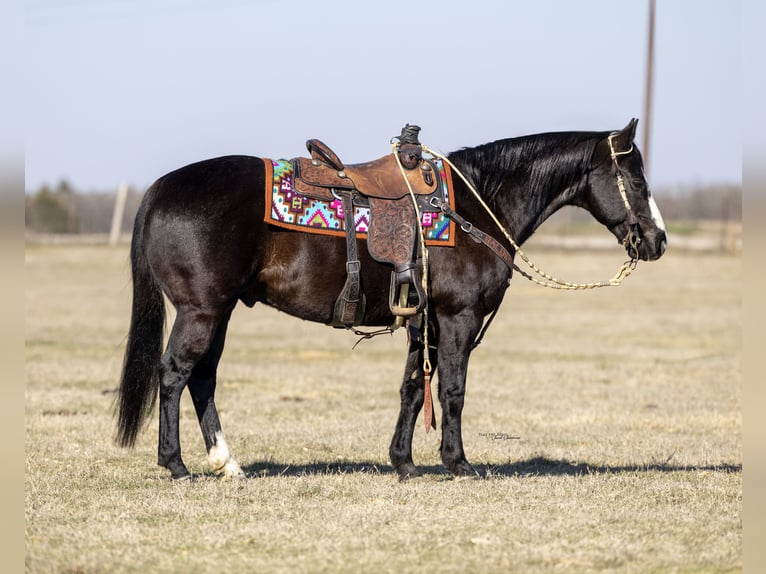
column 140, row 370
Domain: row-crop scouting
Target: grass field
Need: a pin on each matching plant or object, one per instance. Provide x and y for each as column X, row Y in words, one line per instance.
column 607, row 425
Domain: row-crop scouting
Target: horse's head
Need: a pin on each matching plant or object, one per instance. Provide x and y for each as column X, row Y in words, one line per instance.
column 618, row 196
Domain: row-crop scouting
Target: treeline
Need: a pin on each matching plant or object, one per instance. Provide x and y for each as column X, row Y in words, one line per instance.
column 63, row 210
column 716, row 202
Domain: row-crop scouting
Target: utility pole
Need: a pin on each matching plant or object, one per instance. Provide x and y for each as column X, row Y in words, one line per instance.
column 119, row 210
column 648, row 94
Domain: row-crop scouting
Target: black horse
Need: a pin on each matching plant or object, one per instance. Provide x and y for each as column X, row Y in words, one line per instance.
column 200, row 238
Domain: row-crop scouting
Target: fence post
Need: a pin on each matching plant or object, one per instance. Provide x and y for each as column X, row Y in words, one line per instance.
column 119, row 210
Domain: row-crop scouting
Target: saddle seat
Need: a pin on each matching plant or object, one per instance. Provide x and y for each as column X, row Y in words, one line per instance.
column 323, row 172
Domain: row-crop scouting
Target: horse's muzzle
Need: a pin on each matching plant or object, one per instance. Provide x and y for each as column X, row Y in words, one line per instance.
column 653, row 245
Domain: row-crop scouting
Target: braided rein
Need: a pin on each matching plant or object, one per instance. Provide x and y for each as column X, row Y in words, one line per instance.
column 631, row 240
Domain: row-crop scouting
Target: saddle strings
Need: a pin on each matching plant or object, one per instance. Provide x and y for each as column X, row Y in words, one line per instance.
column 548, row 280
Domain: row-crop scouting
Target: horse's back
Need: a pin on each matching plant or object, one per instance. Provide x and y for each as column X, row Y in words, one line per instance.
column 221, row 183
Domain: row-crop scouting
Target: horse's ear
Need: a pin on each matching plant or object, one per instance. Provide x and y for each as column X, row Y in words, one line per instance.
column 628, row 133
column 622, row 141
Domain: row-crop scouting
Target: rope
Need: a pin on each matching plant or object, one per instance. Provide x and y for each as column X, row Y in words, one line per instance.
column 428, row 407
column 549, row 280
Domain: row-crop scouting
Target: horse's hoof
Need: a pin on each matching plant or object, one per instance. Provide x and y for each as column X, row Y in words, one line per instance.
column 178, row 470
column 232, row 471
column 408, row 472
column 181, row 477
column 464, row 471
column 220, row 459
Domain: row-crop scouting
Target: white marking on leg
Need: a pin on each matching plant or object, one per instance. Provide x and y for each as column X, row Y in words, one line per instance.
column 220, row 459
column 656, row 215
column 219, row 454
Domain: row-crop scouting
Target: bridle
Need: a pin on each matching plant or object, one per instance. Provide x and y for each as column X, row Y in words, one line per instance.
column 633, row 238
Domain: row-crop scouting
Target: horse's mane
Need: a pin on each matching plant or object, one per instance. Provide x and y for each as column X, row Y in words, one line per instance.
column 546, row 161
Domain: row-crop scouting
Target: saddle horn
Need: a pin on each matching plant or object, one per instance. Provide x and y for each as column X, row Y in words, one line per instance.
column 410, row 148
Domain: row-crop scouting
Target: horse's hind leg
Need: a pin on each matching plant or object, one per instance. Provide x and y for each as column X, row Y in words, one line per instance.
column 202, row 390
column 189, row 340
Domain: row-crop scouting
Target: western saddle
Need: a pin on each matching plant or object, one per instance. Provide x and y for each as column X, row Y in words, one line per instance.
column 393, row 234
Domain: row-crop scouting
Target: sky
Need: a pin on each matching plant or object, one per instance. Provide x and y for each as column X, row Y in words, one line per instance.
column 128, row 90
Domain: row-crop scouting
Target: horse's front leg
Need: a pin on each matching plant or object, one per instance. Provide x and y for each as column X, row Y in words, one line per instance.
column 412, row 396
column 457, row 336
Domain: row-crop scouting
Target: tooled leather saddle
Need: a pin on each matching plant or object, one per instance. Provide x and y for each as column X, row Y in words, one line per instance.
column 393, row 235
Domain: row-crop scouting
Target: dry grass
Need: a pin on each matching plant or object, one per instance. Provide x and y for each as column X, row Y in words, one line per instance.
column 626, row 402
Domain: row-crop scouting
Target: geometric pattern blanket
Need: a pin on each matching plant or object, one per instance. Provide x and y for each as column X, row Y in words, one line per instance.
column 287, row 208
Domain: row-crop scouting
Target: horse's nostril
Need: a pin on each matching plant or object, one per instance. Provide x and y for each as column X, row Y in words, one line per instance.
column 662, row 243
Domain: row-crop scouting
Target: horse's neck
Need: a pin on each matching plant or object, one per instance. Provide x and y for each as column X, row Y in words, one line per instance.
column 527, row 182
column 534, row 213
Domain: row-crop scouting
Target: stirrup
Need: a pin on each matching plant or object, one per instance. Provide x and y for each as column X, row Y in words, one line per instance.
column 399, row 293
